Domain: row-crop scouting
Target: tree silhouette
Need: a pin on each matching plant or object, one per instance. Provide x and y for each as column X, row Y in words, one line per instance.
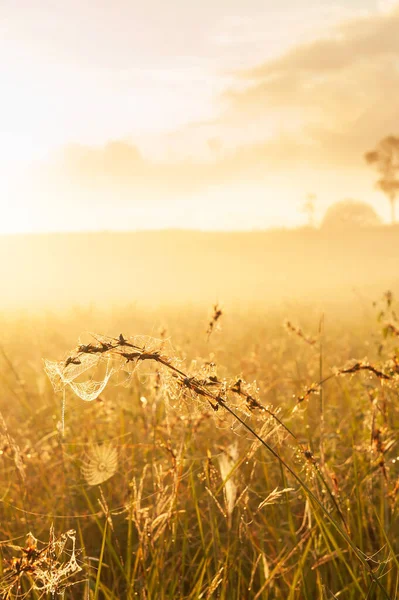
column 386, row 160
column 350, row 214
column 309, row 208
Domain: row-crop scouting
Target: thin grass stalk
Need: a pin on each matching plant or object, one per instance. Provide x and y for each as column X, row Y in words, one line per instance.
column 321, row 397
column 100, row 563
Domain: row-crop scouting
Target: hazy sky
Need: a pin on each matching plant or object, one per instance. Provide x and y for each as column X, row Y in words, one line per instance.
column 214, row 114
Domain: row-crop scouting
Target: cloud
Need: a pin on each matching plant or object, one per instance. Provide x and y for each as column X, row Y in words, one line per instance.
column 351, row 42
column 119, row 169
column 336, row 93
column 320, row 106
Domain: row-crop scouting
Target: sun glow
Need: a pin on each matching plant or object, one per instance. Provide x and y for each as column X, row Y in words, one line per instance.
column 213, row 125
column 16, row 212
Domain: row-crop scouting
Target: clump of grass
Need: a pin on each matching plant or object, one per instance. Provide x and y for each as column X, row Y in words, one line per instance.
column 42, row 568
column 219, row 395
column 204, row 501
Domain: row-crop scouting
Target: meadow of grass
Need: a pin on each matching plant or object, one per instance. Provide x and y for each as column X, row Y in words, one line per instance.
column 161, row 482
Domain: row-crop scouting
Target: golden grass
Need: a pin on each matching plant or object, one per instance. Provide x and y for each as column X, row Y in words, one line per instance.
column 206, row 467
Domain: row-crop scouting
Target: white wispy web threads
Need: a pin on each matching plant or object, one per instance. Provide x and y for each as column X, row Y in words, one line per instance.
column 99, row 464
column 62, row 374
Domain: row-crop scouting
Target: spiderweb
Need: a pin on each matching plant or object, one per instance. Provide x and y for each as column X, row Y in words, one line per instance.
column 49, row 566
column 99, row 464
column 106, row 358
column 62, row 376
column 88, row 369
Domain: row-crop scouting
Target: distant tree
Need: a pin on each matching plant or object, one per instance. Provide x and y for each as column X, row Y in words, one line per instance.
column 386, row 160
column 350, row 214
column 308, row 208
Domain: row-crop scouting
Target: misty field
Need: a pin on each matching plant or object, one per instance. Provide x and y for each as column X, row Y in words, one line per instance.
column 199, row 300
column 209, row 462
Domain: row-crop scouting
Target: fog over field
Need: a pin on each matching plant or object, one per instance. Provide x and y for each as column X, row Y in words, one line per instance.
column 176, row 267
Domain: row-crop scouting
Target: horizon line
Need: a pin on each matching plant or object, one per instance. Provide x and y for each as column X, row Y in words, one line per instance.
column 276, row 229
